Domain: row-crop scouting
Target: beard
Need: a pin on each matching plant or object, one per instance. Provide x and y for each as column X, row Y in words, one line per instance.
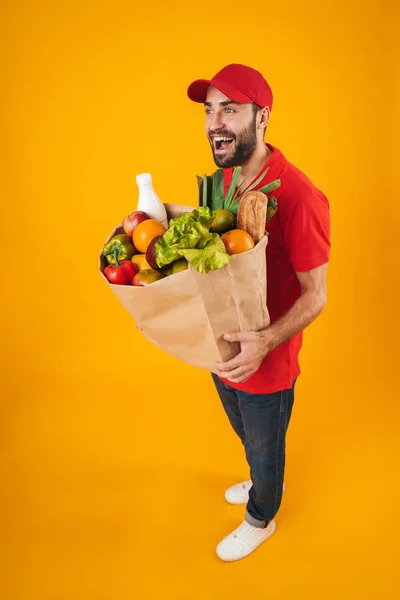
column 245, row 144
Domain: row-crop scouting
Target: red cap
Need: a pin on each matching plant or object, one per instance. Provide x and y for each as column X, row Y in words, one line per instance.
column 238, row 82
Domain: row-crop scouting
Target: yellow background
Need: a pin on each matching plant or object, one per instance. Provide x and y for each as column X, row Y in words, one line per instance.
column 115, row 456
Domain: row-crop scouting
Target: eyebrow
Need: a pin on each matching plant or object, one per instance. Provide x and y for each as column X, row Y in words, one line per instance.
column 225, row 103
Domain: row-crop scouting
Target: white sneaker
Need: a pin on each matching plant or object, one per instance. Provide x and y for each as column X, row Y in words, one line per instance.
column 243, row 541
column 239, row 493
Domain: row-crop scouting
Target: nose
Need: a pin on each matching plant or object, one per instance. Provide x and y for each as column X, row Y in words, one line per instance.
column 215, row 123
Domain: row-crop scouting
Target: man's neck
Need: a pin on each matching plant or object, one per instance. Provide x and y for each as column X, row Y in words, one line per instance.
column 253, row 166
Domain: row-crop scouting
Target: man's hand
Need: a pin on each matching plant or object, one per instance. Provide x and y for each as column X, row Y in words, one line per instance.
column 254, row 346
column 253, row 349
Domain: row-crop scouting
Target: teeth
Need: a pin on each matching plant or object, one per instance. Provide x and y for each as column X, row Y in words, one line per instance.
column 222, row 139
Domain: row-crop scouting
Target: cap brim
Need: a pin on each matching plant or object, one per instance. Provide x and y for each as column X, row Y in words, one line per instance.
column 197, row 91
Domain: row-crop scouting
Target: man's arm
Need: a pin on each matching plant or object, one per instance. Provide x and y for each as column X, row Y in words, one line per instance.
column 303, row 312
column 256, row 345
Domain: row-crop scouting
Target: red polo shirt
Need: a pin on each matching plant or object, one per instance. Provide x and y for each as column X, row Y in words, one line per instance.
column 298, row 240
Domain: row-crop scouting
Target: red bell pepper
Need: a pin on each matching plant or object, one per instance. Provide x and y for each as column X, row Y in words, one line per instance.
column 121, row 273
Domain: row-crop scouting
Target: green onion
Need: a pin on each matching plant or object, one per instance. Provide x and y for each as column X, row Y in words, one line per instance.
column 267, row 189
column 238, row 190
column 218, row 190
column 204, row 199
column 232, row 187
column 200, row 184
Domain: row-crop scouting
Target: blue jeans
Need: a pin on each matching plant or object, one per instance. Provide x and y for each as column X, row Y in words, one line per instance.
column 261, row 422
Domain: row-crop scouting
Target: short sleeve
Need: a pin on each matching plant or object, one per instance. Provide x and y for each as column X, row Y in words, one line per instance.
column 305, row 227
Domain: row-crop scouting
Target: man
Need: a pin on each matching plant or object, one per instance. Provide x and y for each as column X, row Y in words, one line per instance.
column 257, row 386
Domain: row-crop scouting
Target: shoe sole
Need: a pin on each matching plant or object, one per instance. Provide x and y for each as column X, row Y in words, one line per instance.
column 235, row 501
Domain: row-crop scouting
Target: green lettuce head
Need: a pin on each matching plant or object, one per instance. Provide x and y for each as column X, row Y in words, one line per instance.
column 189, row 236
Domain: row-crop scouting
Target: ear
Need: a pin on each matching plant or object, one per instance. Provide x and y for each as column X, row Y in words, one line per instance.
column 264, row 116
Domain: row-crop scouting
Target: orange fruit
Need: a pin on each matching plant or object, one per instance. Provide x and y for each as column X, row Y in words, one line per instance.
column 237, row 241
column 145, row 232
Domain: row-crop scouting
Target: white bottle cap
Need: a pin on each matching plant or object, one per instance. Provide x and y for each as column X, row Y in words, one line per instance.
column 143, row 178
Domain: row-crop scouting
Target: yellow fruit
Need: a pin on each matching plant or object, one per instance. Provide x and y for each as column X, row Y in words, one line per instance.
column 146, row 277
column 141, row 262
column 176, row 267
column 180, row 265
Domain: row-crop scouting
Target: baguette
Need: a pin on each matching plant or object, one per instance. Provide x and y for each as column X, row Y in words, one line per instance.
column 252, row 214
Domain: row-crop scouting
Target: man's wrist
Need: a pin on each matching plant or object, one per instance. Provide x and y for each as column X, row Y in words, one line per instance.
column 268, row 340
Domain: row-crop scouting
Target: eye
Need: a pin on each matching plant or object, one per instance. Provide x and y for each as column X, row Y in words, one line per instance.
column 208, row 111
column 228, row 108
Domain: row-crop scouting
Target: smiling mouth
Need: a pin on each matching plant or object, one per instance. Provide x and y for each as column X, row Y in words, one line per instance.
column 222, row 143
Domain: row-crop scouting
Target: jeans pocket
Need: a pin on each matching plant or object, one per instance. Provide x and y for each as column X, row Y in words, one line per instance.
column 282, row 404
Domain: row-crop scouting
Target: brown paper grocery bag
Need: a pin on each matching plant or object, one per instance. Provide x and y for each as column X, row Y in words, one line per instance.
column 186, row 314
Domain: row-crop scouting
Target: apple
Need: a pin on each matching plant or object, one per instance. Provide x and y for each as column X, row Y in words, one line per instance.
column 151, row 255
column 132, row 220
column 146, row 277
